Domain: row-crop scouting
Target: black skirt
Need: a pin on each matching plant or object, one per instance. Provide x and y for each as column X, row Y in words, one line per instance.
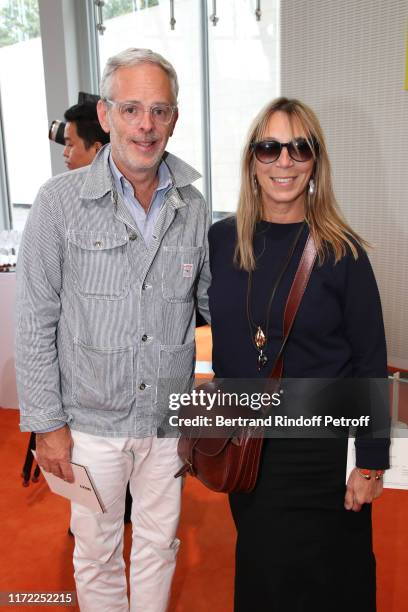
column 298, row 549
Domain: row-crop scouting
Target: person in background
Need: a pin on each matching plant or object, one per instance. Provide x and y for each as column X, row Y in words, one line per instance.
column 113, row 261
column 83, row 135
column 303, row 537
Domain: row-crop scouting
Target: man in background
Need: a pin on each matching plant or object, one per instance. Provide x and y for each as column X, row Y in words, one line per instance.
column 83, row 135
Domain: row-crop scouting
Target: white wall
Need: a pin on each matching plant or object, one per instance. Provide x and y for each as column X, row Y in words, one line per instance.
column 346, row 59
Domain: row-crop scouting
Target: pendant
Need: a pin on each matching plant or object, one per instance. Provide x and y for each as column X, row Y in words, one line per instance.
column 262, row 360
column 259, row 339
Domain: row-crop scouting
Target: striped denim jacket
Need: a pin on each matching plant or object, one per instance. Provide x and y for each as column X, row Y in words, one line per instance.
column 105, row 325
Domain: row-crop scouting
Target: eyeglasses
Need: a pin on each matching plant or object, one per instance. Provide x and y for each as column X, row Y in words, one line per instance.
column 133, row 112
column 299, row 149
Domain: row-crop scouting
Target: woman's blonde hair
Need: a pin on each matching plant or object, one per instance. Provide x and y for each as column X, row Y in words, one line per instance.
column 326, row 223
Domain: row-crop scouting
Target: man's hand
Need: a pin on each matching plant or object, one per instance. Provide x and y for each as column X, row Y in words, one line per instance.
column 54, row 452
column 361, row 491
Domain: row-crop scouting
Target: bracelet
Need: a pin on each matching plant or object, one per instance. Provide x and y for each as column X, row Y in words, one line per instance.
column 367, row 474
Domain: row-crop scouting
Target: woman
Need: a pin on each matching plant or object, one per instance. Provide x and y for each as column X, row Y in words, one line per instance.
column 303, row 539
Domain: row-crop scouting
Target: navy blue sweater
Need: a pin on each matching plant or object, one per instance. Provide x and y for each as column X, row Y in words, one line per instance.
column 338, row 331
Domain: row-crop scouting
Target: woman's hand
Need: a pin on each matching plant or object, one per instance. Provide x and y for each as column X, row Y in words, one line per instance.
column 361, row 491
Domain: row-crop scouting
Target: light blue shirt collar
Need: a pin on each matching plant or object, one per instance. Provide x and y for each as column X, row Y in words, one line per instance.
column 145, row 221
column 165, row 179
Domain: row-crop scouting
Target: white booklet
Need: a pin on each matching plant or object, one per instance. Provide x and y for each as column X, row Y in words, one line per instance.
column 397, row 476
column 82, row 490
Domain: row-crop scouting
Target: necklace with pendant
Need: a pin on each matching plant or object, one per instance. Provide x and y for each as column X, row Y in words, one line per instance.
column 260, row 342
column 259, row 333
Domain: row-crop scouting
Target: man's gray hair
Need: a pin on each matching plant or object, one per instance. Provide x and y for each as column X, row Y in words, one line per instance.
column 133, row 57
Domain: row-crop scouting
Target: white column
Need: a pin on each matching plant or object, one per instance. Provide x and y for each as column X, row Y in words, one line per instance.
column 69, row 57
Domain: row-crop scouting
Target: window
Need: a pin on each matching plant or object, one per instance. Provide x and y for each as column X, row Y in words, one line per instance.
column 244, row 76
column 23, row 103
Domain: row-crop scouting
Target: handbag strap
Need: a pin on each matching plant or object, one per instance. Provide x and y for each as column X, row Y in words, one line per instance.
column 294, row 298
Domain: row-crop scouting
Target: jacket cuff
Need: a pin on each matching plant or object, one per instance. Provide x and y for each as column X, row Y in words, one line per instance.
column 41, row 424
column 373, row 454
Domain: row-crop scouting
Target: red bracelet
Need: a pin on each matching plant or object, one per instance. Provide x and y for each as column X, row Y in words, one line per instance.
column 367, row 474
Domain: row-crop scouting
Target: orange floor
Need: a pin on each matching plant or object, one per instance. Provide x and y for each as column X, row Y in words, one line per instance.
column 36, row 550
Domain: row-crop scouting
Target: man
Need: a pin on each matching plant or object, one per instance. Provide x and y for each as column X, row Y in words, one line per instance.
column 83, row 135
column 113, row 260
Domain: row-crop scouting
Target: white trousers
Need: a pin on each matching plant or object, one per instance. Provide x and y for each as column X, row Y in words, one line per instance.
column 148, row 464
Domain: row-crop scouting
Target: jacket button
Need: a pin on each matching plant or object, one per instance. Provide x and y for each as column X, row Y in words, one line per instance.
column 144, row 338
column 132, row 236
column 142, row 386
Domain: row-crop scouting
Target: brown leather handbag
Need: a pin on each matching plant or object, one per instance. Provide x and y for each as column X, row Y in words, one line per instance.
column 230, row 464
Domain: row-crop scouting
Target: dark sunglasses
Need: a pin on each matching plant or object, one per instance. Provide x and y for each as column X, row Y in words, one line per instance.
column 299, row 149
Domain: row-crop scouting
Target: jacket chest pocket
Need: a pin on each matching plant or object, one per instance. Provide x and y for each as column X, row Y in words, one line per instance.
column 180, row 267
column 100, row 265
